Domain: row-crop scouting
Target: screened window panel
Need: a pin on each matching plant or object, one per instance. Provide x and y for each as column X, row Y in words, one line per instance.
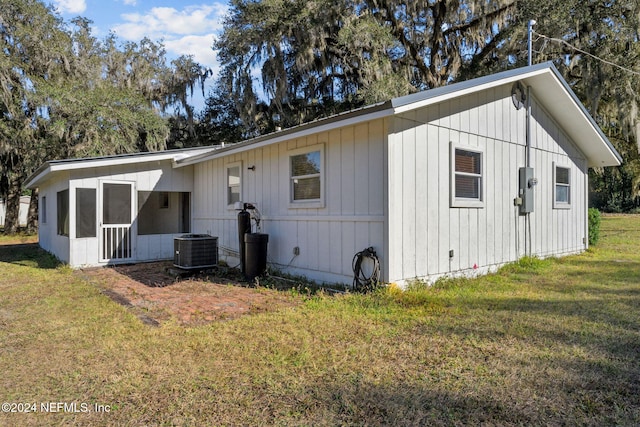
column 305, row 164
column 44, row 209
column 116, row 204
column 86, row 212
column 63, row 213
column 163, row 200
column 306, row 188
column 185, row 213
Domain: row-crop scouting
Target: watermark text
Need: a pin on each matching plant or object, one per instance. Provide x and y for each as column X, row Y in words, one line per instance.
column 53, row 407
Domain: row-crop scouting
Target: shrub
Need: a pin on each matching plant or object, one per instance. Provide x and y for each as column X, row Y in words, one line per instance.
column 594, row 226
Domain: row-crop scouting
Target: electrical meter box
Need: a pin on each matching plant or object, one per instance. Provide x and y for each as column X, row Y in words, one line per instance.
column 527, row 184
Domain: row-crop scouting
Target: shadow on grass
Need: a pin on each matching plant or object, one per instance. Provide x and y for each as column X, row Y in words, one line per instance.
column 613, row 272
column 598, row 325
column 433, row 404
column 586, row 359
column 418, row 405
column 28, row 255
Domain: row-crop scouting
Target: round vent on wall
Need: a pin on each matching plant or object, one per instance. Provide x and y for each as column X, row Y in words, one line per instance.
column 518, row 95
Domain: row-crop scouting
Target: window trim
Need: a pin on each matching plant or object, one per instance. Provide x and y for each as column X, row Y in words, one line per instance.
column 231, row 206
column 559, row 204
column 460, row 202
column 312, row 203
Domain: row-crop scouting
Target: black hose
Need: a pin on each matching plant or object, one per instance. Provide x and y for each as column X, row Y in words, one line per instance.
column 362, row 283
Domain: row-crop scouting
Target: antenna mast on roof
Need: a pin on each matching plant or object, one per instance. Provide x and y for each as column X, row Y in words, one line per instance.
column 530, row 33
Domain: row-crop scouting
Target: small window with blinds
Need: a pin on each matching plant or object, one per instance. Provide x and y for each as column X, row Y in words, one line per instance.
column 562, row 187
column 467, row 177
column 306, row 176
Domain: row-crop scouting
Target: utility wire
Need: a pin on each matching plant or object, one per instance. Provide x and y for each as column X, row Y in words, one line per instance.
column 586, row 53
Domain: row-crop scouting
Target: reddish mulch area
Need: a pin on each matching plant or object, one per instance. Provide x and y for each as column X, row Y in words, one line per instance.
column 155, row 294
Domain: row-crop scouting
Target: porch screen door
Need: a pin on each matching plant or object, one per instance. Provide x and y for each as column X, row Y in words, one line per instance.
column 116, row 220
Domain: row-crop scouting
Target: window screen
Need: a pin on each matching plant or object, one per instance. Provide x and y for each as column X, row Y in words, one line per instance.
column 43, row 208
column 63, row 213
column 85, row 212
column 116, row 204
column 163, row 200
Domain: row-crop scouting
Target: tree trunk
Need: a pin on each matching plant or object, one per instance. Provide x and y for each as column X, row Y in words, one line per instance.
column 12, row 218
column 32, row 218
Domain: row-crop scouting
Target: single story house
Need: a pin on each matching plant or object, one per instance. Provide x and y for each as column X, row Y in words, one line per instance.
column 456, row 180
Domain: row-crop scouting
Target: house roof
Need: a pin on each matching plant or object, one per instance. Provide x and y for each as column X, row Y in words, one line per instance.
column 545, row 80
column 48, row 169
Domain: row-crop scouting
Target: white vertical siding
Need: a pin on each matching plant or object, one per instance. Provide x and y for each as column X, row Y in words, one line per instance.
column 557, row 231
column 423, row 228
column 48, row 232
column 351, row 219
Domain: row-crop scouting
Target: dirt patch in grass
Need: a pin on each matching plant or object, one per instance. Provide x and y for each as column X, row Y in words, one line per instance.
column 156, row 295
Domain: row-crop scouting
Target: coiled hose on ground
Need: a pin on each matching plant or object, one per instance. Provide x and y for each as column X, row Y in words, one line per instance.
column 362, row 283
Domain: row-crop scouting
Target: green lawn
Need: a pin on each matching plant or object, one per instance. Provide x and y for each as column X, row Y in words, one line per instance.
column 553, row 342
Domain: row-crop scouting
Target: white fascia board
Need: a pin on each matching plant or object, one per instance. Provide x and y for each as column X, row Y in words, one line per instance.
column 97, row 162
column 550, row 88
column 33, row 181
column 78, row 164
column 564, row 106
column 456, row 90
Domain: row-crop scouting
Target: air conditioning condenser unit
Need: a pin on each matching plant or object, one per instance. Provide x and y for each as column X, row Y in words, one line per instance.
column 195, row 251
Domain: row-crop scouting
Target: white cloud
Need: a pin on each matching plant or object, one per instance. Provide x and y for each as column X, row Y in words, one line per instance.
column 161, row 22
column 70, row 6
column 130, row 2
column 198, row 46
column 190, row 31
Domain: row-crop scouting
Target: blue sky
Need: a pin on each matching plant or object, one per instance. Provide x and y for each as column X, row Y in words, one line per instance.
column 185, row 27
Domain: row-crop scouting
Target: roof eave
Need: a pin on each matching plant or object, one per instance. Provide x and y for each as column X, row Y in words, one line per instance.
column 551, row 88
column 46, row 169
column 563, row 104
column 37, row 177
